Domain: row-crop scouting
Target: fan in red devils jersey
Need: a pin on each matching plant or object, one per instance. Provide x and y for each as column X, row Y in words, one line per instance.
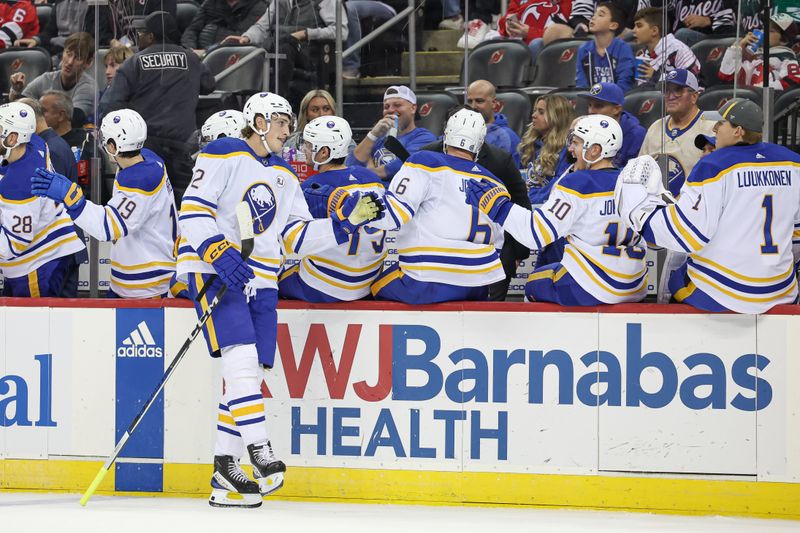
column 18, row 20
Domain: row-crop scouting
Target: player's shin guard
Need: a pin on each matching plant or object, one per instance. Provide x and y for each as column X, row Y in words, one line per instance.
column 230, row 485
column 241, row 373
column 267, row 469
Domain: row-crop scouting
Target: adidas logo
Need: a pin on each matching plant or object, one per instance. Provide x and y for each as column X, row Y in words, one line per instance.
column 476, row 168
column 140, row 343
column 352, row 178
column 759, row 156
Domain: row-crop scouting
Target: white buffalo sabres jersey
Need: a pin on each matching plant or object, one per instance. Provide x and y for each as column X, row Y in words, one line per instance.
column 442, row 239
column 598, row 253
column 737, row 216
column 228, row 172
column 678, row 147
column 141, row 221
column 35, row 230
column 346, row 271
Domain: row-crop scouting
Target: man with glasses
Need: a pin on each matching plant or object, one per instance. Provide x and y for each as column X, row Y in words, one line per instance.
column 672, row 137
column 162, row 82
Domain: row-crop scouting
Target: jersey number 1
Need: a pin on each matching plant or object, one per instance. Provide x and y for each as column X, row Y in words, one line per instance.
column 768, row 247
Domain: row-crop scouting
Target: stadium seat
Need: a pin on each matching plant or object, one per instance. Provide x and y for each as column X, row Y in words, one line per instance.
column 247, row 79
column 516, row 106
column 713, row 98
column 504, row 63
column 184, row 13
column 31, row 61
column 645, row 105
column 555, row 66
column 709, row 52
column 581, row 105
column 784, row 99
column 432, row 109
column 44, row 12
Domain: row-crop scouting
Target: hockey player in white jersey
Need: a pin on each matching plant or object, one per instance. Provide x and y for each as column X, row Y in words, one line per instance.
column 242, row 329
column 36, row 237
column 600, row 264
column 344, row 272
column 447, row 249
column 226, row 123
column 140, row 219
column 737, row 216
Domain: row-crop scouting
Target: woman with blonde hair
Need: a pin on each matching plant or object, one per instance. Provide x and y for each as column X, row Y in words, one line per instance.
column 316, row 103
column 543, row 147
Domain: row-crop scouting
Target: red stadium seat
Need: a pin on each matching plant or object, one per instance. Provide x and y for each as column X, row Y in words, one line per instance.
column 555, row 66
column 709, row 52
column 645, row 105
column 714, row 97
column 516, row 106
column 504, row 63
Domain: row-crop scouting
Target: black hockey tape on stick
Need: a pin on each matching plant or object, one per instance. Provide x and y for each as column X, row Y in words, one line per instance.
column 394, row 146
column 246, row 231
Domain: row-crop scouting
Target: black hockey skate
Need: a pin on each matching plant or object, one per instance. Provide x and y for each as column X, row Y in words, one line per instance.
column 267, row 469
column 230, row 485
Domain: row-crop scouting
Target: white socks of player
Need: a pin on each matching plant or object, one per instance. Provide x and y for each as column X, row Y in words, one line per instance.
column 267, row 469
column 230, row 486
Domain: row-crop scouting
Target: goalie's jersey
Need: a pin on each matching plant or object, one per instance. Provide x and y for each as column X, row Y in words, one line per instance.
column 346, row 271
column 598, row 252
column 737, row 216
column 35, row 230
column 227, row 173
column 141, row 220
column 442, row 239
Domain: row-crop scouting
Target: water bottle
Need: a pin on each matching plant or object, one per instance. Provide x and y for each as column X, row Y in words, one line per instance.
column 393, row 129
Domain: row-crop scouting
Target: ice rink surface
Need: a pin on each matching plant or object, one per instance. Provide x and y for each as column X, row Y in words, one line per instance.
column 43, row 512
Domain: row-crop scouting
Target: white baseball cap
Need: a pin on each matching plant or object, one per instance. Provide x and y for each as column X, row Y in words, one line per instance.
column 400, row 91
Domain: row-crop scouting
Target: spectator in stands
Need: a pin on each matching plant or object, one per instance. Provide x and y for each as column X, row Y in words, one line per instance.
column 575, row 21
column 63, row 161
column 672, row 138
column 481, row 96
column 750, row 15
column 399, row 108
column 316, row 103
column 18, row 20
column 114, row 58
column 502, row 166
column 452, row 19
column 358, row 10
column 217, row 19
column 605, row 58
column 66, row 18
column 116, row 27
column 165, row 96
column 705, row 143
column 304, row 22
column 528, row 20
column 57, row 110
column 607, row 99
column 483, row 11
column 543, row 150
column 694, row 20
column 73, row 78
column 660, row 54
column 784, row 71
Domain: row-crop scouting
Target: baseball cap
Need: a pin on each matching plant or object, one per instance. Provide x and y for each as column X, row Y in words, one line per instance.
column 701, row 140
column 161, row 24
column 400, row 91
column 787, row 25
column 739, row 112
column 682, row 78
column 607, row 92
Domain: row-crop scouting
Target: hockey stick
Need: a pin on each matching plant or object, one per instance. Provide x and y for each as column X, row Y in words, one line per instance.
column 394, row 146
column 246, row 231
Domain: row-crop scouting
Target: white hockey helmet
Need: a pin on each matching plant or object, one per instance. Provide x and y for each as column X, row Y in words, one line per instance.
column 16, row 117
column 465, row 129
column 330, row 131
column 228, row 123
column 126, row 128
column 602, row 130
column 266, row 104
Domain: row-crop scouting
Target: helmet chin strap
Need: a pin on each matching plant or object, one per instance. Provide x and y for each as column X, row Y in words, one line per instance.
column 8, row 149
column 587, row 161
column 318, row 164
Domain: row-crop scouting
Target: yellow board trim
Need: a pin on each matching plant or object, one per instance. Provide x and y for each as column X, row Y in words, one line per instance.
column 621, row 493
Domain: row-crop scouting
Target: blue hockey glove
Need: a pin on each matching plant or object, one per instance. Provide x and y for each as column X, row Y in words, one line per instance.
column 225, row 259
column 59, row 188
column 317, row 197
column 490, row 198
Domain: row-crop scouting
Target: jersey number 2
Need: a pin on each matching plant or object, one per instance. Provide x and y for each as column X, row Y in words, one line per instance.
column 768, row 247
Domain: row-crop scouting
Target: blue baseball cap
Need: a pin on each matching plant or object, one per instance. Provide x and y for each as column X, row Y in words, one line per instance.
column 607, row 92
column 701, row 140
column 682, row 78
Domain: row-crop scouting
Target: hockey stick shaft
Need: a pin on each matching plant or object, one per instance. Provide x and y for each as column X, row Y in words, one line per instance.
column 167, row 375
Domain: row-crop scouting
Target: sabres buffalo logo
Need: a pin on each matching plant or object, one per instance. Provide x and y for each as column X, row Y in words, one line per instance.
column 425, row 109
column 676, row 175
column 567, row 55
column 233, row 59
column 647, row 106
column 261, row 200
column 383, row 157
column 497, row 57
column 715, row 53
